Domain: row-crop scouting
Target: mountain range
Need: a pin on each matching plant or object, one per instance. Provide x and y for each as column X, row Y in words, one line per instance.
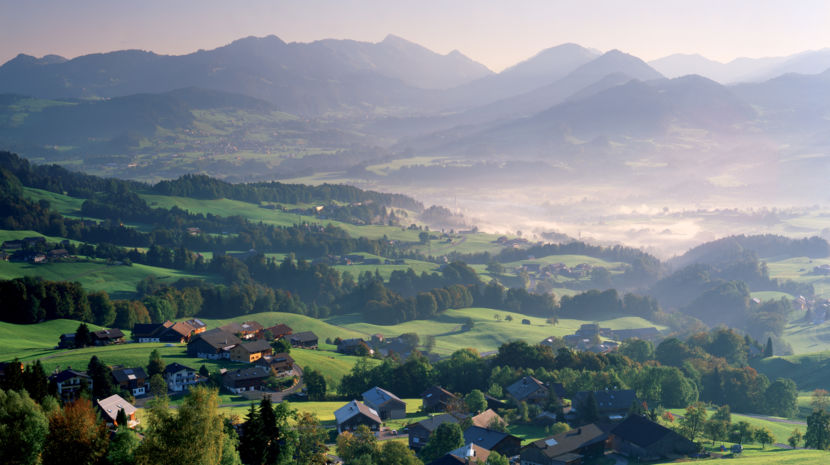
column 387, row 99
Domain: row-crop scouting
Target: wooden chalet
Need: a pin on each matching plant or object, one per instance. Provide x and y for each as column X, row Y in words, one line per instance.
column 354, row 414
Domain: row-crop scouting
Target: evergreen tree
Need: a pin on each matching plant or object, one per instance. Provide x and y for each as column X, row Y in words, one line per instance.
column 768, row 348
column 155, row 366
column 13, row 380
column 35, row 381
column 121, row 419
column 818, row 430
column 250, row 450
column 101, row 375
column 447, row 437
column 82, row 336
column 204, row 372
column 589, row 410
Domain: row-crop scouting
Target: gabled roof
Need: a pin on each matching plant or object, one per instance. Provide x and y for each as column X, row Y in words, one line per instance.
column 353, row 409
column 378, row 396
column 570, row 441
column 432, row 423
column 125, row 375
column 437, row 392
column 256, row 346
column 112, row 404
column 471, row 452
column 305, row 336
column 524, row 387
column 114, row 333
column 175, row 368
column 486, row 418
column 253, row 372
column 486, row 438
column 608, row 400
column 196, row 323
column 216, row 338
column 280, row 329
column 642, row 431
column 68, row 374
column 182, row 328
column 244, row 327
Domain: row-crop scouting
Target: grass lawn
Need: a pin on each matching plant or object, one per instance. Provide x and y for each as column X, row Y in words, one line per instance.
column 781, row 431
column 96, row 275
column 332, row 365
column 298, row 323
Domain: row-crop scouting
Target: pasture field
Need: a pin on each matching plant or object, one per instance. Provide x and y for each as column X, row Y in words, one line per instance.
column 63, row 204
column 33, row 341
column 780, row 430
column 96, row 275
column 487, row 333
column 809, row 371
column 298, row 323
column 754, row 454
column 10, row 235
column 800, row 269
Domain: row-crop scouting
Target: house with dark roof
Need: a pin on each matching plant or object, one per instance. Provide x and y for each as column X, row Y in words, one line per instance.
column 611, row 405
column 303, row 340
column 492, row 440
column 354, row 346
column 106, row 337
column 67, row 341
column 436, row 399
column 420, row 432
column 131, row 379
column 246, row 330
column 354, row 414
column 69, row 384
column 280, row 331
column 149, row 332
column 468, row 454
column 571, row 447
column 110, row 406
column 528, row 389
column 214, row 344
column 246, row 379
column 388, row 405
column 249, row 352
column 641, row 439
column 179, row 377
column 281, row 364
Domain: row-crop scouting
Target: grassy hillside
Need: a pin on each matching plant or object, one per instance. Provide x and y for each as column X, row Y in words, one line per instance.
column 32, row 341
column 487, row 333
column 807, row 338
column 95, row 275
column 298, row 323
column 800, row 269
column 809, row 371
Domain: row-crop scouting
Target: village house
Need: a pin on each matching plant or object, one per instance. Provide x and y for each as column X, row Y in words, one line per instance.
column 69, row 383
column 281, row 364
column 246, row 330
column 528, row 389
column 436, row 399
column 246, row 379
column 388, row 405
column 110, row 406
column 131, row 379
column 279, row 331
column 249, row 352
column 611, row 405
column 643, row 440
column 107, row 337
column 419, row 433
column 354, row 414
column 214, row 344
column 67, row 341
column 468, row 454
column 179, row 377
column 568, row 448
column 487, row 418
column 495, row 441
column 150, row 332
column 303, row 340
column 355, row 346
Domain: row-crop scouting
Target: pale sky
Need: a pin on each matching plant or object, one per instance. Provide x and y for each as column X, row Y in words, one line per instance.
column 496, row 33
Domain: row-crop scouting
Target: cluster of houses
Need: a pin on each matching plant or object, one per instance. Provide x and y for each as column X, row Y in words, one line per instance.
column 377, row 344
column 589, row 337
column 102, row 337
column 32, row 249
column 631, row 435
